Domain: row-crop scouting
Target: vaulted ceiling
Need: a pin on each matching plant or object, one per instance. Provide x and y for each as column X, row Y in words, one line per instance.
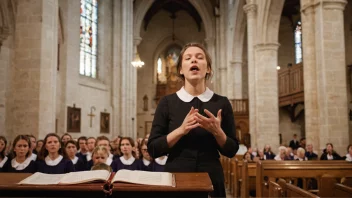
column 172, row 6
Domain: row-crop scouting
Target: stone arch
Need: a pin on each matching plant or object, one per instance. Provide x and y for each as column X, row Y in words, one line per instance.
column 268, row 21
column 239, row 31
column 163, row 44
column 143, row 6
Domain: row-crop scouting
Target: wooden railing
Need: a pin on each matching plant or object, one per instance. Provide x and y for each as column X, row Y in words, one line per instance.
column 240, row 106
column 291, row 87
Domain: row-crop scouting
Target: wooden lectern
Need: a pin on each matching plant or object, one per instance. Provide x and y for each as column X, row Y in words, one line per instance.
column 187, row 185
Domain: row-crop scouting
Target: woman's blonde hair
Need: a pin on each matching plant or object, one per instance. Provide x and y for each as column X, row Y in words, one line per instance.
column 100, row 149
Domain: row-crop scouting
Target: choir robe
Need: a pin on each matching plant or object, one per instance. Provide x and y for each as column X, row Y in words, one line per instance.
column 28, row 166
column 79, row 164
column 130, row 164
column 159, row 165
column 198, row 151
column 146, row 165
column 4, row 163
column 58, row 166
column 82, row 157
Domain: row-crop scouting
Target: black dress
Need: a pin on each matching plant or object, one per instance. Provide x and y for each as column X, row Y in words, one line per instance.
column 197, row 151
column 30, row 167
column 63, row 166
column 4, row 163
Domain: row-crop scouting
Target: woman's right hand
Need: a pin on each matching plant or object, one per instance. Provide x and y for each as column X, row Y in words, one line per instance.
column 189, row 122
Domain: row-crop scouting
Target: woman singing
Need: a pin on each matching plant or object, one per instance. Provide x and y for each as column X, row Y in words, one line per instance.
column 194, row 124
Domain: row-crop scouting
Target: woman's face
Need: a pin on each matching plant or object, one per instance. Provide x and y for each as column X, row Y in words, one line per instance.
column 39, row 146
column 65, row 139
column 261, row 153
column 349, row 150
column 247, row 157
column 329, row 148
column 145, row 153
column 52, row 144
column 21, row 148
column 99, row 157
column 71, row 150
column 126, row 147
column 194, row 64
column 2, row 145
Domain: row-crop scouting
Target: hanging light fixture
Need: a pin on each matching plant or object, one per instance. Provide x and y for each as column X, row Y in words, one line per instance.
column 137, row 61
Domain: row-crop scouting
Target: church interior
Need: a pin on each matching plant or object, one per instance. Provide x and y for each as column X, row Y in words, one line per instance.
column 98, row 68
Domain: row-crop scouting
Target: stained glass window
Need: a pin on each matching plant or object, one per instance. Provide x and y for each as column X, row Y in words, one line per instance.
column 88, row 38
column 159, row 66
column 298, row 42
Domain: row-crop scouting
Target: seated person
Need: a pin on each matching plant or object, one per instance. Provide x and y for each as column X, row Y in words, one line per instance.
column 70, row 153
column 4, row 160
column 127, row 160
column 102, row 166
column 329, row 153
column 146, row 161
column 349, row 153
column 282, row 154
column 310, row 154
column 159, row 164
column 100, row 155
column 51, row 160
column 21, row 162
column 301, row 154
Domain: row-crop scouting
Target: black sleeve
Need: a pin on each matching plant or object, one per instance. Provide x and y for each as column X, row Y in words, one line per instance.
column 69, row 167
column 231, row 145
column 157, row 143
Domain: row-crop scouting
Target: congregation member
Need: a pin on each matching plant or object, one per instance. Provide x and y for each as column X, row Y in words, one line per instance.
column 269, row 155
column 310, row 154
column 50, row 159
column 301, row 154
column 21, row 161
column 329, row 153
column 348, row 156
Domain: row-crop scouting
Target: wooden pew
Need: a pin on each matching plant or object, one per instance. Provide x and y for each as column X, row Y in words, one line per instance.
column 341, row 190
column 289, row 190
column 248, row 174
column 275, row 190
column 298, row 169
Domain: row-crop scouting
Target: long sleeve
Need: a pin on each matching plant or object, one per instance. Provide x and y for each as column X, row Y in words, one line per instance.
column 157, row 142
column 228, row 126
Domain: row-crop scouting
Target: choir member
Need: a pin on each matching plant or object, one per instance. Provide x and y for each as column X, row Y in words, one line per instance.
column 90, row 146
column 32, row 151
column 70, row 152
column 100, row 155
column 39, row 146
column 21, row 162
column 50, row 157
column 65, row 137
column 159, row 164
column 83, row 149
column 4, row 160
column 146, row 161
column 127, row 160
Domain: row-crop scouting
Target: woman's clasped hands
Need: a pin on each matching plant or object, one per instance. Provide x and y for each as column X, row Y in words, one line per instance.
column 194, row 119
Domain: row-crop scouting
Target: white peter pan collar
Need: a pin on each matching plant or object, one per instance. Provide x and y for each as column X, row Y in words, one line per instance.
column 161, row 162
column 33, row 156
column 146, row 162
column 54, row 162
column 75, row 160
column 127, row 162
column 2, row 163
column 20, row 166
column 108, row 161
column 186, row 97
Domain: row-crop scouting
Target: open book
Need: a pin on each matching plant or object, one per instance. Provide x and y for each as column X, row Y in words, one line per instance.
column 128, row 176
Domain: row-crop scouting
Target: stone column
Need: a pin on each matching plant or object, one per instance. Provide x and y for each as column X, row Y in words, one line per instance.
column 210, row 44
column 251, row 10
column 266, row 84
column 331, row 73
column 31, row 103
column 236, row 87
column 116, row 70
column 136, row 41
column 310, row 74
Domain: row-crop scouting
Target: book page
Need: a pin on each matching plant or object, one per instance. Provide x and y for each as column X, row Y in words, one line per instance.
column 144, row 177
column 85, row 176
column 42, row 179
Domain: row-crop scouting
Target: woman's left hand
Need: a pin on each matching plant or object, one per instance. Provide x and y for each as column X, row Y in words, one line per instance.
column 211, row 124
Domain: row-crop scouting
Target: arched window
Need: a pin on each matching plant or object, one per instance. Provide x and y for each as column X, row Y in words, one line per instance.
column 298, row 43
column 88, row 38
column 160, row 64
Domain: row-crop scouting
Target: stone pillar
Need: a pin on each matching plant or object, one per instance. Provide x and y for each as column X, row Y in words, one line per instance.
column 251, row 10
column 127, row 52
column 31, row 103
column 330, row 72
column 210, row 44
column 266, row 84
column 310, row 75
column 136, row 41
column 236, row 87
column 222, row 49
